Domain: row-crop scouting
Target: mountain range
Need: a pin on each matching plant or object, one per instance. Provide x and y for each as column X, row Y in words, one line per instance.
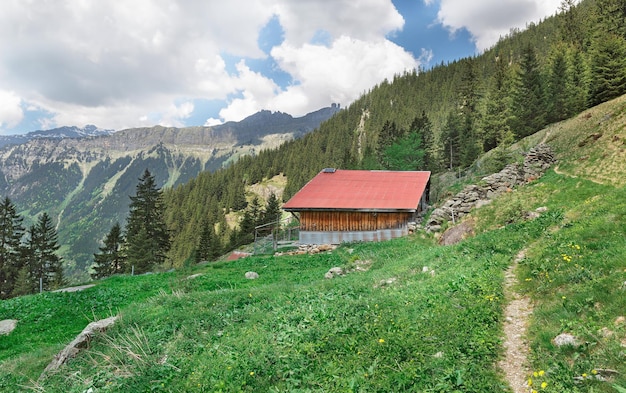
column 83, row 177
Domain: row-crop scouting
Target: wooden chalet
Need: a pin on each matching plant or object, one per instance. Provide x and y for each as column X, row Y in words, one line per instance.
column 349, row 205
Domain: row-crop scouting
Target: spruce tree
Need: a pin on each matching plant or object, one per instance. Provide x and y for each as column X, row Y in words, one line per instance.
column 11, row 233
column 450, row 138
column 40, row 255
column 557, row 87
column 147, row 237
column 209, row 246
column 110, row 260
column 608, row 68
column 528, row 98
column 272, row 211
column 495, row 113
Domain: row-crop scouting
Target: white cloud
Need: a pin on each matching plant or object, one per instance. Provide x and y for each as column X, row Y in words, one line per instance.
column 10, row 110
column 126, row 64
column 363, row 20
column 488, row 20
column 339, row 73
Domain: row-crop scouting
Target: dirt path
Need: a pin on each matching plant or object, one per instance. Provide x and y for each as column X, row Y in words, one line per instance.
column 519, row 309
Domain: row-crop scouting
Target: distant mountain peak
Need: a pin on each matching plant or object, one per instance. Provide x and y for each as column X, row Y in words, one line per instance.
column 55, row 133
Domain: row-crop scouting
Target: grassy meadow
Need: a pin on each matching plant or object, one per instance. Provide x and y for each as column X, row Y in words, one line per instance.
column 422, row 318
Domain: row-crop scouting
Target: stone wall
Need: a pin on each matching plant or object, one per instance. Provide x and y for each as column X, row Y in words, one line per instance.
column 536, row 161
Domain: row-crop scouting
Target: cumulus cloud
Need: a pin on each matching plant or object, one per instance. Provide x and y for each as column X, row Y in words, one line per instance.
column 10, row 109
column 488, row 20
column 339, row 73
column 114, row 63
column 127, row 64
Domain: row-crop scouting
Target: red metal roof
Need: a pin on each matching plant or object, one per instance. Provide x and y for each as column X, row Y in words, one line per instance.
column 361, row 190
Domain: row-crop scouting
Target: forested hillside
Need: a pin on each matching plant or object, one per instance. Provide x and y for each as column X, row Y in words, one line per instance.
column 439, row 119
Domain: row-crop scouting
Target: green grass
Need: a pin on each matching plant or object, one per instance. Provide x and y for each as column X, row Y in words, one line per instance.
column 292, row 330
column 393, row 328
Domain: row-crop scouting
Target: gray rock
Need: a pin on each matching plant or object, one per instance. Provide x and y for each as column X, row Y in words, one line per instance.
column 565, row 339
column 334, row 271
column 252, row 275
column 81, row 341
column 7, row 326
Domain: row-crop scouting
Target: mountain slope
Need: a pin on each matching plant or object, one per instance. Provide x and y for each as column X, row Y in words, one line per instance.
column 417, row 317
column 56, row 133
column 85, row 182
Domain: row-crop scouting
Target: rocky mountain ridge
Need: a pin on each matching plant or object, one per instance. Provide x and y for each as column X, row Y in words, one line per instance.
column 56, row 133
column 85, row 181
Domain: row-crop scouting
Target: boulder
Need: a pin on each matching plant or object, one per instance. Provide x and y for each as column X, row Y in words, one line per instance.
column 81, row 341
column 7, row 326
column 334, row 271
column 252, row 275
column 564, row 339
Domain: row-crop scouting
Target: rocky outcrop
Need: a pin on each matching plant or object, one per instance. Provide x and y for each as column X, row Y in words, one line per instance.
column 309, row 249
column 81, row 341
column 536, row 161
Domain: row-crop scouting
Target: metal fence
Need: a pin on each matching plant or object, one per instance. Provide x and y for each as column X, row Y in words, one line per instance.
column 268, row 238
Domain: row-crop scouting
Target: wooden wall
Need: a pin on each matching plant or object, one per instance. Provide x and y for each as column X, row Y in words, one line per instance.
column 352, row 221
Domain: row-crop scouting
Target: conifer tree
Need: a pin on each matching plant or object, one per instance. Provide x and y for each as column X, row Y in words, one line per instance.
column 39, row 255
column 147, row 237
column 272, row 211
column 450, row 138
column 23, row 283
column 528, row 98
column 578, row 78
column 406, row 154
column 110, row 260
column 608, row 68
column 557, row 87
column 494, row 121
column 11, row 233
column 209, row 246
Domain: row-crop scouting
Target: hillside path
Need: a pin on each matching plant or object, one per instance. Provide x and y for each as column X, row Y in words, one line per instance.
column 516, row 314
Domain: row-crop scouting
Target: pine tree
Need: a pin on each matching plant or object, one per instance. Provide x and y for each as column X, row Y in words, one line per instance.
column 578, row 77
column 450, row 138
column 11, row 233
column 40, row 255
column 571, row 23
column 147, row 237
column 209, row 246
column 272, row 211
column 110, row 260
column 608, row 68
column 494, row 121
column 612, row 16
column 528, row 99
column 23, row 283
column 424, row 128
column 557, row 87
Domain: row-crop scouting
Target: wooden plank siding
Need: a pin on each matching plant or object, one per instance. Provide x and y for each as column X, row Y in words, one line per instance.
column 352, row 220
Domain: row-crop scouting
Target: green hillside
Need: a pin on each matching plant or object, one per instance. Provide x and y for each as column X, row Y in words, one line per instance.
column 441, row 119
column 421, row 317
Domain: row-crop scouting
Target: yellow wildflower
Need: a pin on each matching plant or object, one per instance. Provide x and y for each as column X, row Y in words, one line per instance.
column 541, row 373
column 251, row 373
column 381, row 340
column 544, row 384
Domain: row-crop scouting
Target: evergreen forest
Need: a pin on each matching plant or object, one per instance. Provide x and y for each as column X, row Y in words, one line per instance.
column 440, row 120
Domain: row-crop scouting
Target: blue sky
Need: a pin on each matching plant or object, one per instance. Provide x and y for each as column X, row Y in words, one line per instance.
column 196, row 62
